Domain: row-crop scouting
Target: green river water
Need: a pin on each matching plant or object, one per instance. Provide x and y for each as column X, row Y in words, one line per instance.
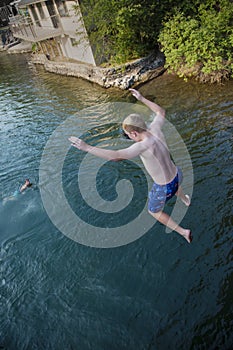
column 157, row 292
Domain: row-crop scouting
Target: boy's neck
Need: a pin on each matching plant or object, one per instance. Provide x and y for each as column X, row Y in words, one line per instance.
column 142, row 136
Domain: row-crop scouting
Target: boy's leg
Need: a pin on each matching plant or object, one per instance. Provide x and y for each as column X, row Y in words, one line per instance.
column 184, row 197
column 166, row 220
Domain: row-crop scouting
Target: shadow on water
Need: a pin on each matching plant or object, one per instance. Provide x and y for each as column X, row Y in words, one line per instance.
column 155, row 293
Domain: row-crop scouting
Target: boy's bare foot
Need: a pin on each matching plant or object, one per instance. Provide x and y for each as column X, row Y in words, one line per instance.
column 188, row 236
column 187, row 200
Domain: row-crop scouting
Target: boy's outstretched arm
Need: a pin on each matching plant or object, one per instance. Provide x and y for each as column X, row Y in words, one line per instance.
column 126, row 153
column 153, row 106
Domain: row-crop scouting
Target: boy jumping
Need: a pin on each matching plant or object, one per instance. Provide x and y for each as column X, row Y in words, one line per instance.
column 151, row 147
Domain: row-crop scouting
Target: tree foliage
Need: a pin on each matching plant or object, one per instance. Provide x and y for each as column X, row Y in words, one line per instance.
column 121, row 29
column 195, row 35
column 200, row 45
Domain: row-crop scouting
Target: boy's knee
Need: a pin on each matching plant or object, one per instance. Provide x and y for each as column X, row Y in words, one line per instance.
column 155, row 215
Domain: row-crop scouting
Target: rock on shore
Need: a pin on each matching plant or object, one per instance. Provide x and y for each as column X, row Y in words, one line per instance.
column 123, row 76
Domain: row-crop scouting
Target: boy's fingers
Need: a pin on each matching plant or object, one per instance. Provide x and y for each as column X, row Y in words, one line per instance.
column 73, row 139
column 135, row 93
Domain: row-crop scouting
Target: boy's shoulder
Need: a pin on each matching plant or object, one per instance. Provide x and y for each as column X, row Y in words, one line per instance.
column 157, row 123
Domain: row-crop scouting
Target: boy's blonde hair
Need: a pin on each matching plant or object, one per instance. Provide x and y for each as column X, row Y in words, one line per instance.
column 134, row 122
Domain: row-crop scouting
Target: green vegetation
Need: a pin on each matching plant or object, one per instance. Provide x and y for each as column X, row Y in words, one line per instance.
column 121, row 29
column 34, row 47
column 196, row 36
column 200, row 46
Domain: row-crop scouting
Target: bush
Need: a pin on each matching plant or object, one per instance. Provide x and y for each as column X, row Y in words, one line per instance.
column 200, row 46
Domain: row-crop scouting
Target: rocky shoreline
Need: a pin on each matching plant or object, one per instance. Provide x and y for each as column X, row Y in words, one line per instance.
column 122, row 77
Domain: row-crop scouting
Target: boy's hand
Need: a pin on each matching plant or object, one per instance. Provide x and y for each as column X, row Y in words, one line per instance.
column 136, row 94
column 78, row 143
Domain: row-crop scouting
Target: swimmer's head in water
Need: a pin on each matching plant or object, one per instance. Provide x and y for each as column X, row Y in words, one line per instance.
column 28, row 183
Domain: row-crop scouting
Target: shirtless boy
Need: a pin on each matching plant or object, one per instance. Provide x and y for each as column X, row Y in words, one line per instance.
column 151, row 147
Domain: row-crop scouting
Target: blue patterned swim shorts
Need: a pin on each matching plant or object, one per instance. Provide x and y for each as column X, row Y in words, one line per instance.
column 160, row 194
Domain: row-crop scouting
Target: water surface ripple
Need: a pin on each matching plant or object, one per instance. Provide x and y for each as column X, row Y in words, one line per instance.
column 156, row 293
